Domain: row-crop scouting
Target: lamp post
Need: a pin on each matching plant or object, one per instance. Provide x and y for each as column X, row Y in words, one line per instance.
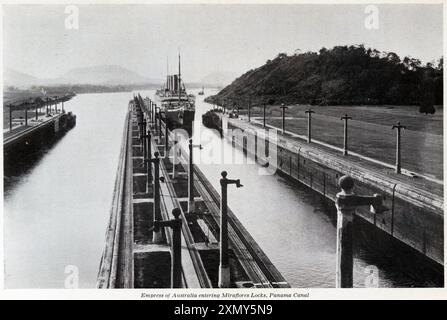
column 309, row 125
column 345, row 137
column 283, row 107
column 224, row 266
column 398, row 126
column 176, row 246
column 191, row 204
column 346, row 203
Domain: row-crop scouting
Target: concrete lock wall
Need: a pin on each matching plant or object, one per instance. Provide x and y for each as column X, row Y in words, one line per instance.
column 415, row 219
column 35, row 137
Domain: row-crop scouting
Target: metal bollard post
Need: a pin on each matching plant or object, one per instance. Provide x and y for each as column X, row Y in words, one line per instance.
column 191, row 204
column 155, row 118
column 309, row 125
column 398, row 152
column 176, row 246
column 147, row 159
column 174, row 156
column 159, row 126
column 224, row 266
column 166, row 136
column 346, row 203
column 283, row 107
column 156, row 236
column 143, row 138
column 345, row 138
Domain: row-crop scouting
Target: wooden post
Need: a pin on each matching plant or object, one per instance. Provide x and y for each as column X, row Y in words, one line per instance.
column 398, row 152
column 37, row 112
column 283, row 107
column 309, row 125
column 345, row 137
column 249, row 107
column 224, row 265
column 26, row 116
column 346, row 203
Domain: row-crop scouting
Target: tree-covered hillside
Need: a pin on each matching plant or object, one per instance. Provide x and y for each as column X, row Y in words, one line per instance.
column 343, row 75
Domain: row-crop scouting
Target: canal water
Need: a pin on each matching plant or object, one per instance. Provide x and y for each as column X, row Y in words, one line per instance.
column 57, row 210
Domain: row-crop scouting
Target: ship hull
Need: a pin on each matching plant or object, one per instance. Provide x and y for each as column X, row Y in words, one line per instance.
column 180, row 119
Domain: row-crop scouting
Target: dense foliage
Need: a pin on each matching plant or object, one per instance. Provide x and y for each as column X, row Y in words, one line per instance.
column 343, row 75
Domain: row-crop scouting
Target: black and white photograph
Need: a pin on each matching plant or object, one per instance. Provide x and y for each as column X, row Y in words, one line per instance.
column 259, row 149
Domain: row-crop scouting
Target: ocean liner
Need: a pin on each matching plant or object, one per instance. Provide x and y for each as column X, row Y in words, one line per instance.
column 176, row 105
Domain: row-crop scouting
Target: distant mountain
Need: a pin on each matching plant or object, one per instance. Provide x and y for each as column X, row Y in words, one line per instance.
column 18, row 79
column 218, row 79
column 103, row 75
column 107, row 75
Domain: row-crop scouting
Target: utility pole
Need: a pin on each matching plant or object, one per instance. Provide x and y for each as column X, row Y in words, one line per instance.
column 264, row 115
column 224, row 266
column 398, row 152
column 345, row 137
column 309, row 125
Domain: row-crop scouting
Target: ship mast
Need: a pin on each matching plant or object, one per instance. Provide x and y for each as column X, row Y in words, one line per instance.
column 179, row 79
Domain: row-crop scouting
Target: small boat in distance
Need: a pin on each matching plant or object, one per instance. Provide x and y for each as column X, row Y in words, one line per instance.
column 176, row 105
column 201, row 93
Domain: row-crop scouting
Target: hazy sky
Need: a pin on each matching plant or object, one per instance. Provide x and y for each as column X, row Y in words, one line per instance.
column 211, row 38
